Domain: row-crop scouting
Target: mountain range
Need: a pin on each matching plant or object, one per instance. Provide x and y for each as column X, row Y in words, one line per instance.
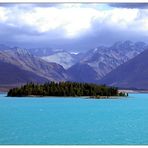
column 103, row 64
column 103, row 60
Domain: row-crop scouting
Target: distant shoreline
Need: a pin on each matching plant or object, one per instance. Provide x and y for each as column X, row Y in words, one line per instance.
column 133, row 91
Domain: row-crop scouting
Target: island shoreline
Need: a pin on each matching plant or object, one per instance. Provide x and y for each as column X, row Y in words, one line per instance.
column 67, row 97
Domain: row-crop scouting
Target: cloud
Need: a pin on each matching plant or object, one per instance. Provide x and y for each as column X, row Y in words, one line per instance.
column 71, row 19
column 130, row 5
column 70, row 26
column 6, row 4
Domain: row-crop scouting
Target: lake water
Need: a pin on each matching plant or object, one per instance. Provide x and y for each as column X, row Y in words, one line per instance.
column 68, row 121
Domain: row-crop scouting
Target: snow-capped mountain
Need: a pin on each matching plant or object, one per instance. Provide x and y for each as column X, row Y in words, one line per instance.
column 104, row 59
column 43, row 52
column 66, row 59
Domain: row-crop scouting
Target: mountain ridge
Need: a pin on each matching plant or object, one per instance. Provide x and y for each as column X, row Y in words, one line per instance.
column 132, row 74
column 26, row 61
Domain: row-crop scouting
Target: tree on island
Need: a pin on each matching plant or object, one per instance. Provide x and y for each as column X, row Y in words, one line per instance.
column 64, row 89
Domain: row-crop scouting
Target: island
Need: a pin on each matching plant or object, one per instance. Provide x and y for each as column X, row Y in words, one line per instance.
column 65, row 89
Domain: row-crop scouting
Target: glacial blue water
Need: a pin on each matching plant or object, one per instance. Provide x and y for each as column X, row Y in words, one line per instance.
column 74, row 121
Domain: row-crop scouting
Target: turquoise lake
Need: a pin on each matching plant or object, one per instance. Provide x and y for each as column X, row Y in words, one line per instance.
column 74, row 121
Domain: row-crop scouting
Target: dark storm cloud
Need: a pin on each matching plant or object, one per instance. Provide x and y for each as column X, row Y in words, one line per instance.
column 98, row 35
column 102, row 34
column 46, row 4
column 6, row 4
column 27, row 37
column 15, row 30
column 130, row 5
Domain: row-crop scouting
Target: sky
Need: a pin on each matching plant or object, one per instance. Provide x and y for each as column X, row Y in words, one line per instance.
column 72, row 26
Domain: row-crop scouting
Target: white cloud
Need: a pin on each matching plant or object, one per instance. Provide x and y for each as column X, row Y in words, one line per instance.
column 74, row 19
column 123, row 15
column 3, row 14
